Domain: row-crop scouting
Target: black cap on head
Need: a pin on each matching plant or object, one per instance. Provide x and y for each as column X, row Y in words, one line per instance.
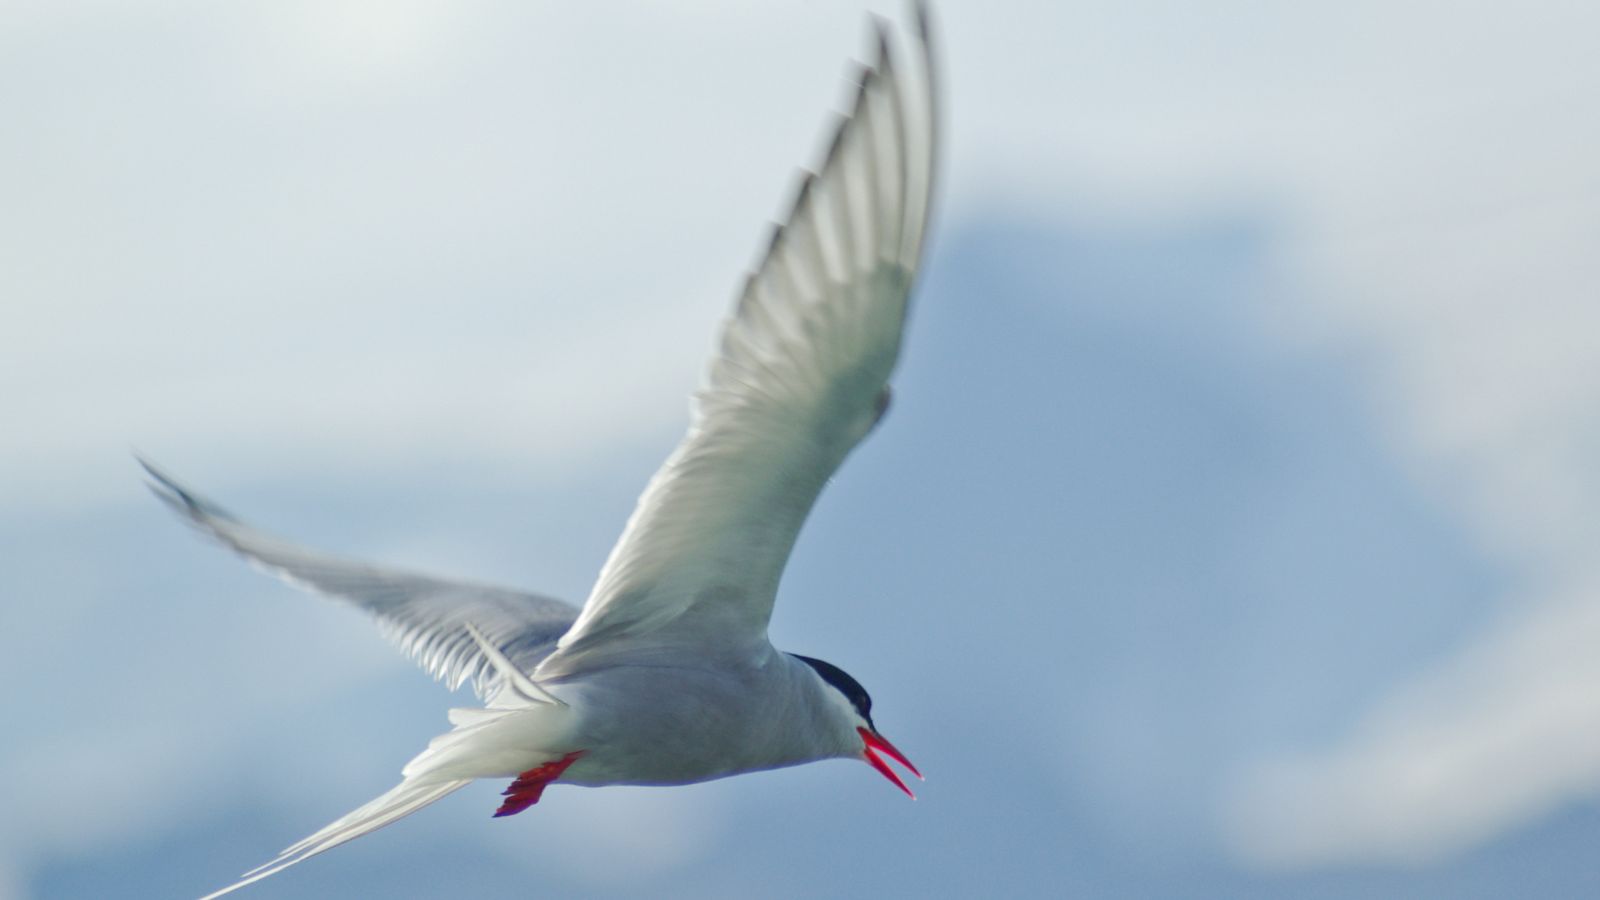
column 843, row 683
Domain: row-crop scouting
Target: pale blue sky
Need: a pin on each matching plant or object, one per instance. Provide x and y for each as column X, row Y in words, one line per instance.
column 1229, row 537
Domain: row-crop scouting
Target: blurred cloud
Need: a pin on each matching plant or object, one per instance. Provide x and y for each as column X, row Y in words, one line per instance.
column 1480, row 335
column 1499, row 734
column 1462, row 274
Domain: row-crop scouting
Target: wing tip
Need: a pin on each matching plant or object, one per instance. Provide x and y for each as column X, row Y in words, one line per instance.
column 922, row 13
column 187, row 504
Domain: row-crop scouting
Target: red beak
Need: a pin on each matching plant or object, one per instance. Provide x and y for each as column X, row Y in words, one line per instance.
column 875, row 743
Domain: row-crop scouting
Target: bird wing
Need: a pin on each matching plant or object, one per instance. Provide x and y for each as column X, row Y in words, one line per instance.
column 432, row 619
column 800, row 377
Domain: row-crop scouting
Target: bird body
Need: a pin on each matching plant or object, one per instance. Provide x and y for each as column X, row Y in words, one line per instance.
column 630, row 721
column 666, row 676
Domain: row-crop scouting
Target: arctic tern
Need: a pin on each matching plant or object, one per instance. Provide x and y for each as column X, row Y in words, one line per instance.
column 666, row 675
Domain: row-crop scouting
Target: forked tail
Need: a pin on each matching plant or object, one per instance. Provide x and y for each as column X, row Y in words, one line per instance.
column 405, row 799
column 485, row 743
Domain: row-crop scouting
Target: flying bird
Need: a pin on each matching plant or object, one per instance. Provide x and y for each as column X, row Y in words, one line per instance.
column 666, row 675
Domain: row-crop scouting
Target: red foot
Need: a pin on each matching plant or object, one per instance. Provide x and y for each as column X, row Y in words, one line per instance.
column 525, row 791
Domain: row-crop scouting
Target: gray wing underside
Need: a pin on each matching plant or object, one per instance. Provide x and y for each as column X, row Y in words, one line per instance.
column 428, row 617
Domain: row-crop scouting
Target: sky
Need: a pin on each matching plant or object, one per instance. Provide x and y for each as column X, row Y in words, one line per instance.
column 1231, row 535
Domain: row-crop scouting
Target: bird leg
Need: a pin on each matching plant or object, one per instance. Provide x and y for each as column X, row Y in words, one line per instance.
column 526, row 790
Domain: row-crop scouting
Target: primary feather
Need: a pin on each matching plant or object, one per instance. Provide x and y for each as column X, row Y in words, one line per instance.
column 428, row 617
column 800, row 377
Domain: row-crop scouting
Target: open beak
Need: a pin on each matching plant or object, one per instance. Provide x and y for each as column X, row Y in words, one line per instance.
column 875, row 744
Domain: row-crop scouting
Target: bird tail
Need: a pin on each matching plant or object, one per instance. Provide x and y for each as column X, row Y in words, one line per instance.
column 403, row 800
column 485, row 743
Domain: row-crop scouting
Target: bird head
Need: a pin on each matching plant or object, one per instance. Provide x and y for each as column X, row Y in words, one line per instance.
column 856, row 709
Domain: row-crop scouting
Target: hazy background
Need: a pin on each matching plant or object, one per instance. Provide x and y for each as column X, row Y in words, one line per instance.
column 1232, row 536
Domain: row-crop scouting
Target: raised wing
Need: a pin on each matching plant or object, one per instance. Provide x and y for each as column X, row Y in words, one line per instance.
column 800, row 378
column 430, row 618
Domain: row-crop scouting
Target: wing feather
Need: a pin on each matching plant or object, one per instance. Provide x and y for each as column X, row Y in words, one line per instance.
column 800, row 377
column 432, row 619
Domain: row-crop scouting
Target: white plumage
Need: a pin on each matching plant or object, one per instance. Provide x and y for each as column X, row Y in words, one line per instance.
column 666, row 675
